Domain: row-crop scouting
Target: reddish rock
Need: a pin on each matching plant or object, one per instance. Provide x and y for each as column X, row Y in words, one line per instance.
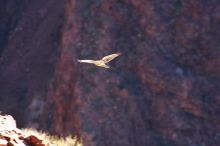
column 163, row 90
column 10, row 135
column 10, row 144
column 33, row 141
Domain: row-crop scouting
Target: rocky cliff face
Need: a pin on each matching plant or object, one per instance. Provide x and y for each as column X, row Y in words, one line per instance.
column 163, row 90
column 30, row 46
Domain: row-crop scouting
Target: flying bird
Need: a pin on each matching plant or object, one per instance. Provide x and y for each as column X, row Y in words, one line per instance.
column 103, row 61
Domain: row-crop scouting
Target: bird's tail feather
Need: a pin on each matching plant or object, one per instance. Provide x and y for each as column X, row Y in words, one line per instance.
column 79, row 60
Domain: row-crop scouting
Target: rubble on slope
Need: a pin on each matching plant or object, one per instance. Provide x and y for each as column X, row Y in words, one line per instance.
column 10, row 135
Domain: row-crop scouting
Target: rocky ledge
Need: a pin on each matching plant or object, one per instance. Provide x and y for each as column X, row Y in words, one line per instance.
column 10, row 135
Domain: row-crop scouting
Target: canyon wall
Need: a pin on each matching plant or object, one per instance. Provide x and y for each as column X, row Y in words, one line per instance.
column 164, row 90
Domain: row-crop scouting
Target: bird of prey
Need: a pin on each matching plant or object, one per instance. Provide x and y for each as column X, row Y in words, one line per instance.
column 103, row 61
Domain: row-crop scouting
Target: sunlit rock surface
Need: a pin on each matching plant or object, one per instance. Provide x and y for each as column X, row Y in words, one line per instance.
column 10, row 135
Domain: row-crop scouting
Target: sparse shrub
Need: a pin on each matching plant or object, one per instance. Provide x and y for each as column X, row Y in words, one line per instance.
column 54, row 140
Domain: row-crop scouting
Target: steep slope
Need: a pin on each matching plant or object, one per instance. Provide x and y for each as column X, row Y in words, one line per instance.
column 163, row 90
column 30, row 47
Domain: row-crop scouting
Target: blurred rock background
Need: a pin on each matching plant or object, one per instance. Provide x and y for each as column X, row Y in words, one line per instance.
column 163, row 91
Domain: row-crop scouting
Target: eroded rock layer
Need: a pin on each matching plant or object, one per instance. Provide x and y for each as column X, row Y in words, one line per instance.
column 163, row 90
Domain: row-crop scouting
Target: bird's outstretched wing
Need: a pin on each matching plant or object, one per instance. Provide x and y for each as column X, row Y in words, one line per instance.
column 86, row 61
column 108, row 58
